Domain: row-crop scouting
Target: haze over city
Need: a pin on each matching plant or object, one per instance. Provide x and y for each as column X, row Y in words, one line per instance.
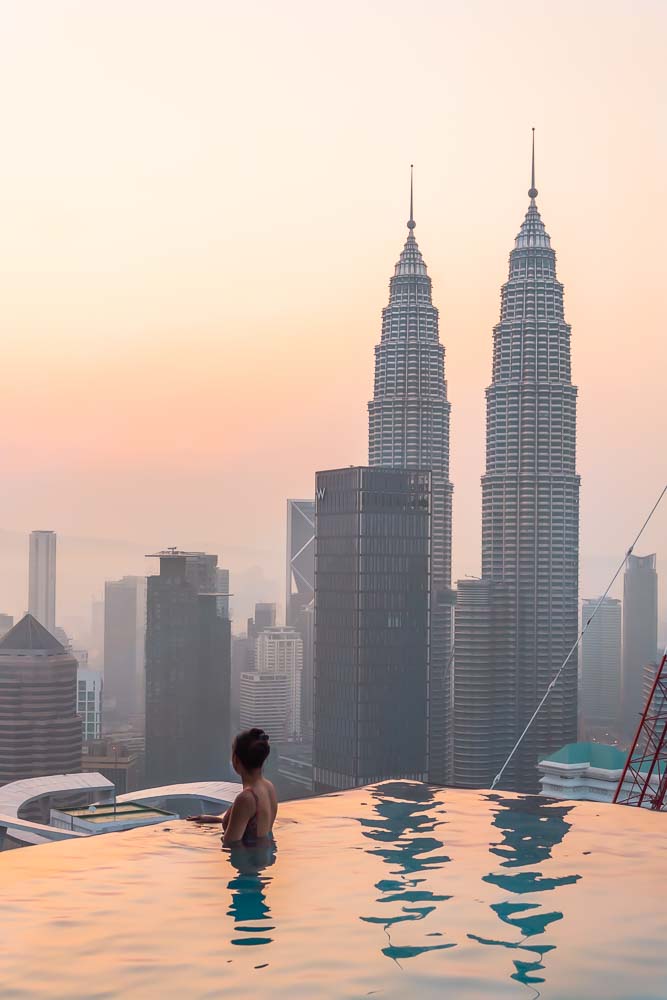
column 201, row 209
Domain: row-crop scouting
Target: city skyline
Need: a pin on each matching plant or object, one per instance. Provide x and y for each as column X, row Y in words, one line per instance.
column 120, row 326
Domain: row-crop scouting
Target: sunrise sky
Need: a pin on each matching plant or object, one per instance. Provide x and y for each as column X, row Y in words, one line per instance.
column 201, row 206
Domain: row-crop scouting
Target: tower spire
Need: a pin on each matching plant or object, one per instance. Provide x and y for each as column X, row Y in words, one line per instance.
column 532, row 194
column 411, row 220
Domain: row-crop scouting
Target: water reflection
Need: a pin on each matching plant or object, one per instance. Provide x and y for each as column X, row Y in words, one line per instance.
column 403, row 817
column 248, row 906
column 531, row 828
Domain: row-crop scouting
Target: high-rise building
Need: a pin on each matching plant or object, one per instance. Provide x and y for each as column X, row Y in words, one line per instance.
column 640, row 635
column 124, row 651
column 89, row 698
column 530, row 492
column 187, row 672
column 300, row 594
column 40, row 731
column 265, row 701
column 6, row 622
column 300, row 558
column 372, row 588
column 222, row 585
column 600, row 702
column 42, row 578
column 484, row 695
column 409, row 428
column 279, row 650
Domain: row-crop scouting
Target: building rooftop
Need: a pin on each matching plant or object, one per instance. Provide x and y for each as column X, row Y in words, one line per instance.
column 19, row 793
column 599, row 755
column 29, row 634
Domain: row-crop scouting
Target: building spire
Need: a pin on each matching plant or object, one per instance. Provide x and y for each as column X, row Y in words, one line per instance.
column 411, row 220
column 532, row 194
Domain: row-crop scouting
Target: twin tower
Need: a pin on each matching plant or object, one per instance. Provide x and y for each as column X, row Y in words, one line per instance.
column 495, row 644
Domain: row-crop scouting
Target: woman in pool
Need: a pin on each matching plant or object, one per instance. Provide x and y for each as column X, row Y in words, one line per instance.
column 249, row 820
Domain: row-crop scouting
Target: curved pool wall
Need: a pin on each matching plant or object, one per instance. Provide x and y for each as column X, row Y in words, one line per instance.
column 398, row 890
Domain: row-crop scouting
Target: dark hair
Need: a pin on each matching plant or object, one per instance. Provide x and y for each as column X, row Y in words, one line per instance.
column 252, row 748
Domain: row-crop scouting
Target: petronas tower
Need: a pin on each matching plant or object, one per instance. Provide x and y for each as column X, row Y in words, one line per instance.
column 530, row 493
column 409, row 428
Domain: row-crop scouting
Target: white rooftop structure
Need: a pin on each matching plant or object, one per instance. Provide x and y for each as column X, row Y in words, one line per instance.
column 196, row 796
column 18, row 794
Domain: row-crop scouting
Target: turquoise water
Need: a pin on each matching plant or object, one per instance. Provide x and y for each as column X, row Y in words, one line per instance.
column 398, row 890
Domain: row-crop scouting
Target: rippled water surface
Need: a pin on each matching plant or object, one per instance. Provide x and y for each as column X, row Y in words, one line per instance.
column 393, row 891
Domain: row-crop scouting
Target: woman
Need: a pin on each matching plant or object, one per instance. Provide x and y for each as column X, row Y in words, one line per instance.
column 249, row 820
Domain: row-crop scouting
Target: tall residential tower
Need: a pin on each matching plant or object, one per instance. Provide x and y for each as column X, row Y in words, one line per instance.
column 409, row 428
column 530, row 491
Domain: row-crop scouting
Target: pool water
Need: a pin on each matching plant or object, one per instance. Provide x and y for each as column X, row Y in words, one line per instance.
column 394, row 891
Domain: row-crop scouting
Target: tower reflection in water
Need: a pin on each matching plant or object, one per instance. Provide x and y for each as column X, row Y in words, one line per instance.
column 404, row 816
column 248, row 906
column 531, row 829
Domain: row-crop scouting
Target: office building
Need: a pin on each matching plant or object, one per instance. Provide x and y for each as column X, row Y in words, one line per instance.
column 640, row 635
column 484, row 695
column 409, row 428
column 187, row 671
column 222, row 586
column 42, row 578
column 6, row 622
column 40, row 731
column 279, row 650
column 265, row 703
column 600, row 704
column 530, row 494
column 372, row 588
column 121, row 764
column 89, row 699
column 300, row 588
column 124, row 651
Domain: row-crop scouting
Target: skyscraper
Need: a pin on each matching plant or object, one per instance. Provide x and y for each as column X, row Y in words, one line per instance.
column 530, row 491
column 124, row 650
column 42, row 578
column 300, row 588
column 484, row 693
column 187, row 671
column 599, row 710
column 372, row 586
column 640, row 634
column 409, row 428
column 41, row 731
column 300, row 594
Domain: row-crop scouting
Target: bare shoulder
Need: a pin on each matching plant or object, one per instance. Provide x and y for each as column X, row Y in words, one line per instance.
column 244, row 801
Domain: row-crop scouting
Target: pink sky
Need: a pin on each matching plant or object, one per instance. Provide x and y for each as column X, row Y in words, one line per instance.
column 201, row 207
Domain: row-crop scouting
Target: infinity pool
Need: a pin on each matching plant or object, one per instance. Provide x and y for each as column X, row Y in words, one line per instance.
column 398, row 890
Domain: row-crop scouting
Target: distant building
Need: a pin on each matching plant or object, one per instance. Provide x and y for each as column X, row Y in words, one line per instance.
column 41, row 731
column 265, row 702
column 265, row 617
column 484, row 697
column 640, row 635
column 6, row 622
column 372, row 584
column 42, row 578
column 530, row 498
column 124, row 651
column 187, row 671
column 222, row 586
column 300, row 589
column 89, row 700
column 279, row 650
column 117, row 761
column 600, row 706
column 408, row 427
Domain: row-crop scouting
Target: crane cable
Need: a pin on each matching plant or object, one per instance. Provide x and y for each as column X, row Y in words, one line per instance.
column 597, row 607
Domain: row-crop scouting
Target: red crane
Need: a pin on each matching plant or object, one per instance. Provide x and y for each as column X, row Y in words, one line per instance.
column 646, row 767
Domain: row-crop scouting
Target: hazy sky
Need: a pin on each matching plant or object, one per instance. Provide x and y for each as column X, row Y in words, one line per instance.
column 201, row 206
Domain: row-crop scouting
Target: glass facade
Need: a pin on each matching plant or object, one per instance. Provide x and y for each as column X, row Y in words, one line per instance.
column 371, row 645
